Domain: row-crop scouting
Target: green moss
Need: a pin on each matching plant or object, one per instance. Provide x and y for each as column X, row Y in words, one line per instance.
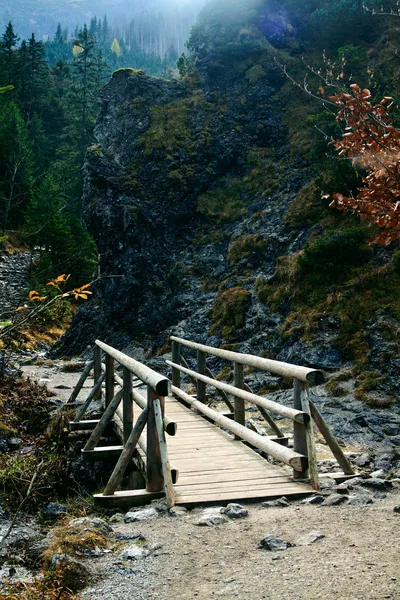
column 225, row 374
column 342, row 376
column 95, row 149
column 215, row 204
column 6, row 430
column 335, row 389
column 170, row 126
column 228, row 200
column 254, row 74
column 313, row 290
column 374, row 401
column 229, row 310
column 134, row 212
column 128, row 72
column 306, row 209
column 245, row 245
column 396, row 261
column 263, row 289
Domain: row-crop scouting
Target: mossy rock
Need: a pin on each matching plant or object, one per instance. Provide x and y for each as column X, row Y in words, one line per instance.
column 128, row 72
column 254, row 74
column 242, row 247
column 229, row 310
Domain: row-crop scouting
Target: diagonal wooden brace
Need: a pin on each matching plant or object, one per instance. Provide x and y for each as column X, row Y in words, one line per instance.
column 81, row 411
column 127, row 454
column 104, row 421
column 79, row 385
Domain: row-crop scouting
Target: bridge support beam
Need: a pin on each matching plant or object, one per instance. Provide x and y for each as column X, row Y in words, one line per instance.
column 154, row 475
column 299, row 429
column 240, row 413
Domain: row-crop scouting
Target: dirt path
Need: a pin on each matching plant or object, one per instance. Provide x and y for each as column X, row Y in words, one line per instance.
column 357, row 560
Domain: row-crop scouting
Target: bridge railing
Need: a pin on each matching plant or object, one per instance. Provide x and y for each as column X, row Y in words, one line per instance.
column 303, row 455
column 119, row 407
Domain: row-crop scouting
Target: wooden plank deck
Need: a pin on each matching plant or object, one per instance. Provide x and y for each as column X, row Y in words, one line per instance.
column 214, row 467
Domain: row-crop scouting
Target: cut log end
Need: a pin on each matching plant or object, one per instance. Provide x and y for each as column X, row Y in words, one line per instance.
column 163, row 388
column 170, row 427
column 302, row 418
column 316, row 377
column 299, row 463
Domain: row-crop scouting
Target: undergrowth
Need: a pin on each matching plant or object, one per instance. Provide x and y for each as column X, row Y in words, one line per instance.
column 24, row 407
column 229, row 310
column 50, row 586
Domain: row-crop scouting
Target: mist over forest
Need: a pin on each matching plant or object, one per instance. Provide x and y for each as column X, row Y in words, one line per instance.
column 42, row 17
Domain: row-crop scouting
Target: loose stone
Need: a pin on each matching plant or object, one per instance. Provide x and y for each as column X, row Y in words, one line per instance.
column 54, row 510
column 178, row 511
column 211, row 516
column 309, row 538
column 235, row 511
column 140, row 515
column 272, row 544
column 313, row 500
column 279, row 503
column 335, row 500
column 360, row 501
column 134, row 553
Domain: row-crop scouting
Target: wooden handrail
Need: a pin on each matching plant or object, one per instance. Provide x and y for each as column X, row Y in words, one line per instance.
column 280, row 409
column 158, row 383
column 311, row 376
column 285, row 455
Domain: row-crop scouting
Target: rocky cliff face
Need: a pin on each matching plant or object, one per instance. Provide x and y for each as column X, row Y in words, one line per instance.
column 181, row 172
column 204, row 198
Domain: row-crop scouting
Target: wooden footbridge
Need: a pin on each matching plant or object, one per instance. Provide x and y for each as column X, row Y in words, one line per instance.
column 210, row 456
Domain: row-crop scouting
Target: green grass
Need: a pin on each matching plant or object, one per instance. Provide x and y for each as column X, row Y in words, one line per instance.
column 229, row 310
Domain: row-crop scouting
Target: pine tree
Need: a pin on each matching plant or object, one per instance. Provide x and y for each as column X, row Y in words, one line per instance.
column 93, row 26
column 61, row 77
column 33, row 76
column 16, row 164
column 59, row 38
column 87, row 70
column 116, row 48
column 104, row 31
column 8, row 55
column 39, row 145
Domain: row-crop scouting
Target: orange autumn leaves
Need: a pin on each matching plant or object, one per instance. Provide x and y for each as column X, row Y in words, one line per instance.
column 82, row 292
column 371, row 142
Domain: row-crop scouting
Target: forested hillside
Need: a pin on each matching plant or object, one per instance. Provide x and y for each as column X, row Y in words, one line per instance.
column 47, row 116
column 48, row 108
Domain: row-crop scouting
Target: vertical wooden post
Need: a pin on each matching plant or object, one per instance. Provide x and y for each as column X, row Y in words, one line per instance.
column 311, row 451
column 154, row 476
column 201, row 368
column 299, row 429
column 127, row 404
column 240, row 416
column 176, row 358
column 97, row 370
column 166, row 467
column 110, row 371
